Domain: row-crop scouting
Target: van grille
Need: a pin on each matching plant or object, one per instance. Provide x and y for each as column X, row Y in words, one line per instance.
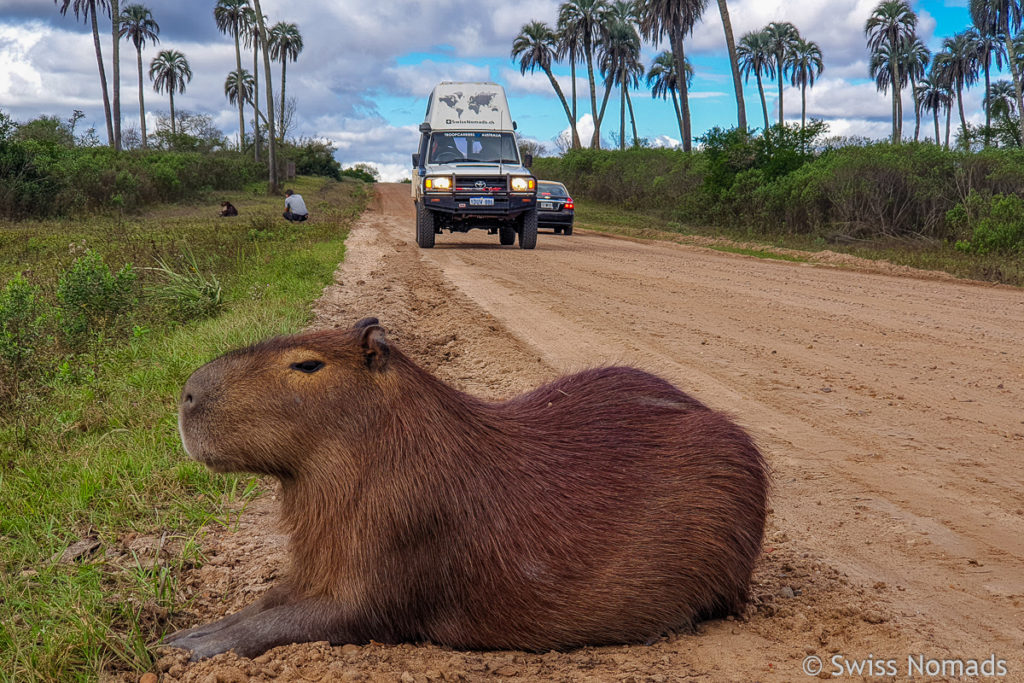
column 481, row 184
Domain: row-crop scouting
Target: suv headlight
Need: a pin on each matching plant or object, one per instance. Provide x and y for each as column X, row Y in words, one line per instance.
column 438, row 183
column 523, row 184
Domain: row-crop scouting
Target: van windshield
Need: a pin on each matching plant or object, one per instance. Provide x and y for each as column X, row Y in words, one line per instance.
column 489, row 148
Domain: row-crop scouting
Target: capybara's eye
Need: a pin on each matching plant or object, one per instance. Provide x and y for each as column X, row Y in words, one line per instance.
column 308, row 366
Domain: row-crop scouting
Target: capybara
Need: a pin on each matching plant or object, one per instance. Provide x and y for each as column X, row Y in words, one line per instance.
column 605, row 507
column 228, row 209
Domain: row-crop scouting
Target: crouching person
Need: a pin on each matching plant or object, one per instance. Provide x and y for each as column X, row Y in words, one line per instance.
column 294, row 207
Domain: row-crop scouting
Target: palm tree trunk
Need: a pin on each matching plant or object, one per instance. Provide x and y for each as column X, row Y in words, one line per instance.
column 803, row 105
column 271, row 141
column 679, row 116
column 622, row 114
column 241, row 100
column 949, row 115
column 284, row 80
column 256, row 101
column 575, row 133
column 115, row 24
column 632, row 119
column 609, row 86
column 936, row 112
column 103, row 73
column 730, row 42
column 142, row 101
column 917, row 109
column 554, row 84
column 894, row 70
column 781, row 77
column 684, row 96
column 960, row 107
column 595, row 140
column 172, row 111
column 764, row 102
column 988, row 103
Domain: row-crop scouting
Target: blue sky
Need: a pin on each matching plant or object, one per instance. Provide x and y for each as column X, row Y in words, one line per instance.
column 366, row 69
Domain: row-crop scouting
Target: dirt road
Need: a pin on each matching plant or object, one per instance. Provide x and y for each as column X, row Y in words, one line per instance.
column 891, row 409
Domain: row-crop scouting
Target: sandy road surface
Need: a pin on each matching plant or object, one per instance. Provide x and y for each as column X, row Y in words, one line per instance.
column 891, row 409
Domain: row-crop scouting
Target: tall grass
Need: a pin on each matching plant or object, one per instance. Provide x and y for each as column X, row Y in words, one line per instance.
column 104, row 460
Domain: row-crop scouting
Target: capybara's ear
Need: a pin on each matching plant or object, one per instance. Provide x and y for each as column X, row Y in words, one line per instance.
column 375, row 346
column 366, row 322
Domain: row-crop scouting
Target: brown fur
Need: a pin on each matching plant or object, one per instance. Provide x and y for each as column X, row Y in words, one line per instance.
column 604, row 507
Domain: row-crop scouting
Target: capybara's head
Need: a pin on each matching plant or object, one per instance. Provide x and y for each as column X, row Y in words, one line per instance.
column 267, row 408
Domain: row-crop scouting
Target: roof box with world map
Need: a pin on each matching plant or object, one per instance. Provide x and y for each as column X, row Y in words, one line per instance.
column 468, row 106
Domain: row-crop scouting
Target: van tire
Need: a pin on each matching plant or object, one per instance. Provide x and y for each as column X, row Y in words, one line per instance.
column 528, row 230
column 424, row 227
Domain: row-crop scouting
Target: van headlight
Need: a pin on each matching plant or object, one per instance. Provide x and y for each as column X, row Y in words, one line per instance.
column 438, row 183
column 523, row 184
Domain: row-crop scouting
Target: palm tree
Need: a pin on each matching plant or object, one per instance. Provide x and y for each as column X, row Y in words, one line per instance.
column 239, row 85
column 675, row 20
column 170, row 71
column 568, row 46
column 272, row 140
column 734, row 64
column 231, row 16
column 756, row 58
column 1000, row 100
column 1006, row 17
column 915, row 60
column 891, row 24
column 86, row 10
column 990, row 45
column 942, row 77
column 931, row 95
column 807, row 65
column 138, row 25
column 285, row 43
column 882, row 71
column 782, row 38
column 536, row 46
column 960, row 62
column 585, row 21
column 252, row 42
column 665, row 80
column 620, row 65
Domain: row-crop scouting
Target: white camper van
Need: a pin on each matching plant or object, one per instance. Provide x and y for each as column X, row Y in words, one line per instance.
column 468, row 173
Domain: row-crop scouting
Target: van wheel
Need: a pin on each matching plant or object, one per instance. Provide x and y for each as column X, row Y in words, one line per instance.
column 424, row 227
column 528, row 230
column 507, row 235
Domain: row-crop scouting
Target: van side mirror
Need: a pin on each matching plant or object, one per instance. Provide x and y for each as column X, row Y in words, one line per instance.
column 425, row 128
column 515, row 126
column 415, row 160
column 528, row 161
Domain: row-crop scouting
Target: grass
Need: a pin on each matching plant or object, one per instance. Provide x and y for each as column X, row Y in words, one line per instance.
column 922, row 254
column 103, row 458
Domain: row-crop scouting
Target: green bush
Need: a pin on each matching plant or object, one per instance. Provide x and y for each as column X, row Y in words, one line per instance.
column 92, row 300
column 187, row 294
column 995, row 224
column 23, row 330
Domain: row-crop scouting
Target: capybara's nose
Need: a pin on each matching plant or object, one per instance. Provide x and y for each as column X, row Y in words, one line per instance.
column 192, row 393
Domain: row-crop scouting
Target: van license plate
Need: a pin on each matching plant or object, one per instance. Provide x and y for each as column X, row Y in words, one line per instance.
column 481, row 201
column 547, row 206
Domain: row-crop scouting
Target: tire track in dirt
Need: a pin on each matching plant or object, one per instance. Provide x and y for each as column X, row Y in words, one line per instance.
column 888, row 406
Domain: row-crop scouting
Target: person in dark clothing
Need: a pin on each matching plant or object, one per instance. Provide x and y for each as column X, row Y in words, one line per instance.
column 228, row 209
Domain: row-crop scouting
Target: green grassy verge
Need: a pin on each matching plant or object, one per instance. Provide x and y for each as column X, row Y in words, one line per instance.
column 923, row 254
column 103, row 459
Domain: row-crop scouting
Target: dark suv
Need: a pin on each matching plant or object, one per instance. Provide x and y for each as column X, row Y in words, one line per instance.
column 555, row 208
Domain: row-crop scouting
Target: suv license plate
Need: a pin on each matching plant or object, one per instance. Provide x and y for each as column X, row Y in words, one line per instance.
column 547, row 206
column 481, row 201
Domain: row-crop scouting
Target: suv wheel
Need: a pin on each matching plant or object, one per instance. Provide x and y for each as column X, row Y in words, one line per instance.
column 507, row 235
column 528, row 230
column 424, row 227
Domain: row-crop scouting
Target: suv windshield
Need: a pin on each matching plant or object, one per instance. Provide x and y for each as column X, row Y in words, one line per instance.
column 492, row 148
